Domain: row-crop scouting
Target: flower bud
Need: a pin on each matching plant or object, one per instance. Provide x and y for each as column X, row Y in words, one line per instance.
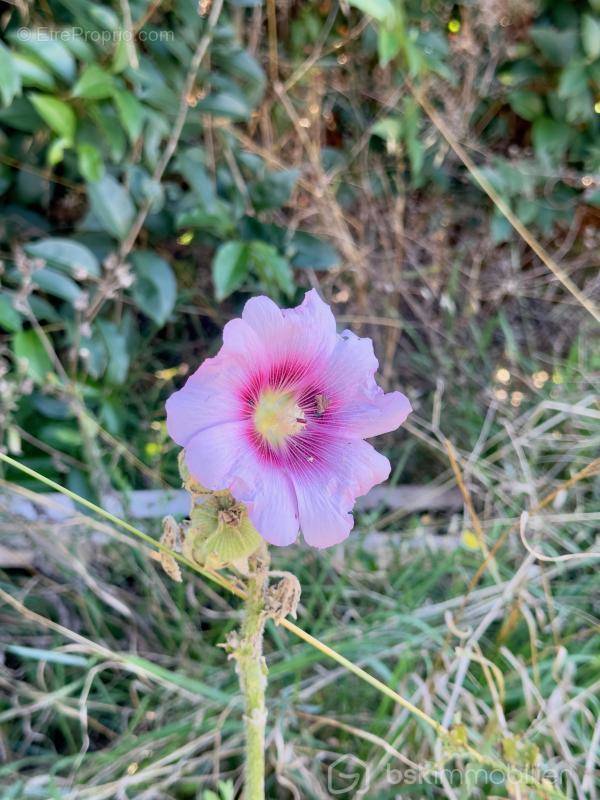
column 220, row 532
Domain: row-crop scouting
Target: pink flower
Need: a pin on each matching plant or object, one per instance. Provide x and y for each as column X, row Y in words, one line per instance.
column 279, row 416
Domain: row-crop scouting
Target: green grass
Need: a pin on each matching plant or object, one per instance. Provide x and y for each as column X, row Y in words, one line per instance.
column 157, row 713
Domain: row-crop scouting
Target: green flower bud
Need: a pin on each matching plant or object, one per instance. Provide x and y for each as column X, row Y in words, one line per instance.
column 220, row 532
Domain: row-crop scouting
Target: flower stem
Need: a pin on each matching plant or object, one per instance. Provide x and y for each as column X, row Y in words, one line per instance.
column 252, row 672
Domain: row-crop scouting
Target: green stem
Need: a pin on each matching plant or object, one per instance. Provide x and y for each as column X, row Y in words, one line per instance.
column 252, row 672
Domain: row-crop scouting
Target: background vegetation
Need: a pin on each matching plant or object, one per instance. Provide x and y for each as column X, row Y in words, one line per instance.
column 159, row 163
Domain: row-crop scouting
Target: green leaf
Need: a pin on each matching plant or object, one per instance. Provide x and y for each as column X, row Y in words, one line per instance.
column 550, row 137
column 10, row 79
column 50, row 656
column 57, row 114
column 56, row 151
column 274, row 190
column 131, row 113
column 89, row 160
column 52, row 52
column 28, row 347
column 10, row 319
column 56, row 284
column 272, row 268
column 390, row 129
column 381, row 10
column 94, row 84
column 411, row 122
column 112, row 206
column 155, row 287
column 117, row 348
column 310, row 252
column 66, row 255
column 225, row 104
column 528, row 105
column 573, row 80
column 500, row 228
column 590, row 36
column 229, row 268
column 557, row 45
column 390, row 42
column 32, row 73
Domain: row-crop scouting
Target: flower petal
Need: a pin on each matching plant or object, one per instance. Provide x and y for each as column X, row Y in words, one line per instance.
column 271, row 502
column 363, row 408
column 307, row 332
column 384, row 413
column 211, row 395
column 216, row 455
column 327, row 496
column 207, row 398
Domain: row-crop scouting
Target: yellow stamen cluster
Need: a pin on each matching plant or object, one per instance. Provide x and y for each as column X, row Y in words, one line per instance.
column 277, row 416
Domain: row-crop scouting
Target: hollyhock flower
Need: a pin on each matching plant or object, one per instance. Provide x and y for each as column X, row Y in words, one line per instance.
column 279, row 417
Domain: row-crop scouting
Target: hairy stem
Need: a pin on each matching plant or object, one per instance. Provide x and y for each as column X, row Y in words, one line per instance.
column 252, row 672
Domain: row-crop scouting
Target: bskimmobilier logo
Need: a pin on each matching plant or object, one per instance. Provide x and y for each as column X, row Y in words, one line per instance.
column 348, row 776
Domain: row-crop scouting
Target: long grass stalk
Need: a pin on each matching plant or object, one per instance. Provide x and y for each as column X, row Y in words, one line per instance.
column 454, row 747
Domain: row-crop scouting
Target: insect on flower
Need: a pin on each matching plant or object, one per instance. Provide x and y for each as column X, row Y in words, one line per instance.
column 279, row 417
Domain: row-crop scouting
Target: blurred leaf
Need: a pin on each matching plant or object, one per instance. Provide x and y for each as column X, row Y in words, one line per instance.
column 274, row 190
column 381, row 10
column 10, row 319
column 557, row 45
column 224, row 104
column 272, row 268
column 67, row 255
column 57, row 114
column 28, row 347
column 56, row 284
column 56, row 151
column 526, row 104
column 550, row 137
column 310, row 252
column 106, row 120
column 590, row 36
column 155, row 288
column 411, row 121
column 117, row 350
column 390, row 129
column 500, row 228
column 32, row 74
column 573, row 80
column 94, row 84
column 111, row 204
column 49, row 50
column 390, row 42
column 229, row 268
column 526, row 210
column 131, row 113
column 10, row 79
column 145, row 189
column 49, row 656
column 90, row 162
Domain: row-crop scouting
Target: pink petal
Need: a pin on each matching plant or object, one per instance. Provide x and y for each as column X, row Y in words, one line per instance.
column 307, row 331
column 384, row 413
column 216, row 455
column 326, row 497
column 207, row 398
column 271, row 502
column 364, row 410
column 210, row 395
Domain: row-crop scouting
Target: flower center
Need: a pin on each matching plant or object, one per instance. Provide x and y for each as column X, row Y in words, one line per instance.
column 277, row 416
